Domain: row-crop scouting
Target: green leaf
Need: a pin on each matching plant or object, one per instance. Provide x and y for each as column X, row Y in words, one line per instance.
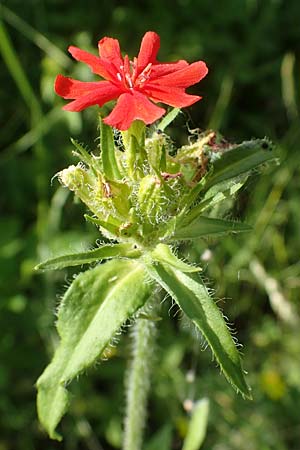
column 162, row 253
column 93, row 309
column 168, row 119
column 108, row 156
column 97, row 254
column 189, row 198
column 83, row 154
column 241, row 159
column 207, row 226
column 108, row 224
column 91, row 161
column 197, row 426
column 213, row 196
column 195, row 301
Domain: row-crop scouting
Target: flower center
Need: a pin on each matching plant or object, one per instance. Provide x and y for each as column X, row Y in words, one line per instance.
column 128, row 74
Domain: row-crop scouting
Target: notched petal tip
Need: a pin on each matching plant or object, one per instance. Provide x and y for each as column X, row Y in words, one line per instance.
column 80, row 55
column 62, row 85
column 184, row 77
column 148, row 50
column 95, row 63
column 109, row 48
column 72, row 49
column 203, row 69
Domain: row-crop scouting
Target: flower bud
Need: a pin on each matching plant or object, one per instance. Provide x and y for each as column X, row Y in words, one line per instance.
column 156, row 151
column 72, row 177
column 151, row 198
column 78, row 180
column 117, row 197
column 86, row 185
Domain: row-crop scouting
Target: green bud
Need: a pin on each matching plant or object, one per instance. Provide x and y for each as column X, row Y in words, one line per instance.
column 72, row 177
column 78, row 180
column 108, row 200
column 117, row 197
column 156, row 151
column 151, row 198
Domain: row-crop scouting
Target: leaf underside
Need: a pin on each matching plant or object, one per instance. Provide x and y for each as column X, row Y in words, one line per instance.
column 92, row 310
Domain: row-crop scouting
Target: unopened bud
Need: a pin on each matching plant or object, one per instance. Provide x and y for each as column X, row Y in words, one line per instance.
column 73, row 177
column 150, row 196
column 156, row 149
column 82, row 182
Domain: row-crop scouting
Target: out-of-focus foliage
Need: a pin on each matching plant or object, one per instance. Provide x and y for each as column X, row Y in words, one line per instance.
column 252, row 49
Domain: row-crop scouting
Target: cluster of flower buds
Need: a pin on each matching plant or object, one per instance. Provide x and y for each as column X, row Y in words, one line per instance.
column 135, row 189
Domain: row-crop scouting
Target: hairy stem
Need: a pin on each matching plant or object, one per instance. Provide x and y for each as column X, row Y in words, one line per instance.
column 138, row 378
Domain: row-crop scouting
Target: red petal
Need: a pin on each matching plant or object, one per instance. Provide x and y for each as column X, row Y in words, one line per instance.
column 159, row 70
column 70, row 88
column 148, row 50
column 132, row 107
column 99, row 67
column 174, row 97
column 109, row 49
column 105, row 92
column 184, row 77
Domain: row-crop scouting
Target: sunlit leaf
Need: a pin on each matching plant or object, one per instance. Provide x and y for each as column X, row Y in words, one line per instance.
column 207, row 226
column 93, row 309
column 108, row 156
column 242, row 158
column 165, row 122
column 213, row 196
column 163, row 253
column 194, row 300
column 97, row 254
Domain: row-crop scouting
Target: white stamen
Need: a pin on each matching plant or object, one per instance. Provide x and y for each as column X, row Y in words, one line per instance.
column 145, row 74
column 129, row 80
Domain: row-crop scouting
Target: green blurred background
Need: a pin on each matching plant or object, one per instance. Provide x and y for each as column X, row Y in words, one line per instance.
column 252, row 49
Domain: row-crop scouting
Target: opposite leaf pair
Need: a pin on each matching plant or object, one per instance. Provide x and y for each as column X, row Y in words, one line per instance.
column 102, row 299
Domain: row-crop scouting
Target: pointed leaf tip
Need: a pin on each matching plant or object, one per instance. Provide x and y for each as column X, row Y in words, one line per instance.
column 195, row 301
column 208, row 226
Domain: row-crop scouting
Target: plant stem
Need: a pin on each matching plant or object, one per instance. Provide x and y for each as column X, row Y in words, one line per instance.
column 138, row 379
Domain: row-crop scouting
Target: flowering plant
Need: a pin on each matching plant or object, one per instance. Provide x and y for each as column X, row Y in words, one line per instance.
column 145, row 197
column 133, row 83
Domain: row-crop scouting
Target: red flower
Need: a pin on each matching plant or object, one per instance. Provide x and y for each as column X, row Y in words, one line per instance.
column 133, row 83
